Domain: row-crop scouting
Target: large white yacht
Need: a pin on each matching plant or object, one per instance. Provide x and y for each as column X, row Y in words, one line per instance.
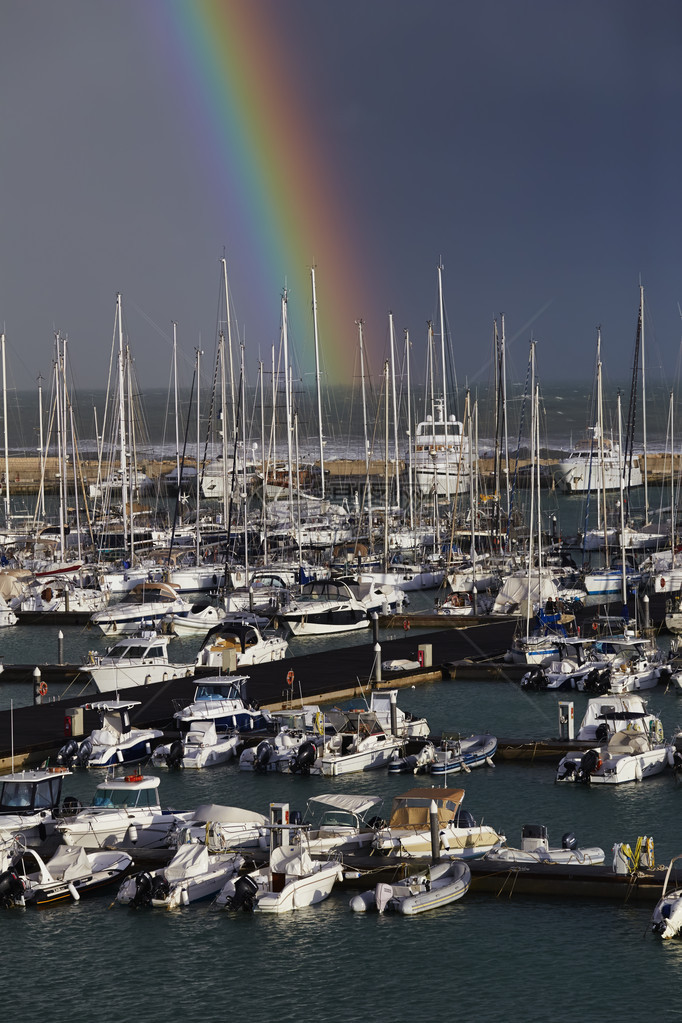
column 441, row 455
column 593, row 467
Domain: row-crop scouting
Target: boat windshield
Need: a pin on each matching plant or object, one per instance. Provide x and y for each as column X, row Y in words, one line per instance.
column 227, row 691
column 29, row 795
column 120, row 798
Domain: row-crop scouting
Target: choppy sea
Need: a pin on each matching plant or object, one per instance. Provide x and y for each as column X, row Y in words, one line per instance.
column 489, row 958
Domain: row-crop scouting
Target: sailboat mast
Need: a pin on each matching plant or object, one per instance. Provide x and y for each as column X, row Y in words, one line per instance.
column 287, row 401
column 242, row 372
column 532, row 487
column 229, row 340
column 644, row 437
column 368, row 485
column 199, row 474
column 175, row 398
column 41, row 496
column 441, row 313
column 317, row 379
column 386, row 466
column 410, row 490
column 624, row 589
column 395, row 409
column 122, row 420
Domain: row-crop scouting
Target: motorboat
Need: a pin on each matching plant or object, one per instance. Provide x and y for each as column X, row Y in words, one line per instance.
column 457, row 753
column 220, row 828
column 383, row 703
column 192, row 875
column 70, row 873
column 606, row 715
column 464, row 604
column 341, row 823
column 541, row 645
column 59, row 594
column 628, row 755
column 201, row 746
column 595, row 465
column 125, row 814
column 666, row 919
column 359, row 744
column 409, row 830
column 29, row 801
column 196, row 620
column 282, row 752
column 135, row 660
column 291, row 879
column 243, row 641
column 414, row 763
column 323, row 608
column 436, row 886
column 115, row 742
column 441, row 455
column 535, row 848
column 145, row 607
column 223, row 700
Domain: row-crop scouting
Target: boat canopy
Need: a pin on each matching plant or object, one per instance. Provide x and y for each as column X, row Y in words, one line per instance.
column 217, row 814
column 191, row 860
column 412, row 809
column 356, row 804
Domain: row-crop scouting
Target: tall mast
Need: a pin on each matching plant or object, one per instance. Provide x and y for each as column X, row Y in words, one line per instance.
column 177, row 410
column 646, row 475
column 41, row 496
column 441, row 312
column 229, row 341
column 122, row 420
column 317, row 378
column 368, row 485
column 395, row 410
column 199, row 473
column 244, row 478
column 285, row 346
column 386, row 466
column 409, row 433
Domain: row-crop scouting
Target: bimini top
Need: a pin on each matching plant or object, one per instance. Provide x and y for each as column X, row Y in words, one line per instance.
column 356, row 804
column 412, row 809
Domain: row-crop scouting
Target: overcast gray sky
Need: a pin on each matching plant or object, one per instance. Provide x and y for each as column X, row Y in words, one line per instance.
column 533, row 147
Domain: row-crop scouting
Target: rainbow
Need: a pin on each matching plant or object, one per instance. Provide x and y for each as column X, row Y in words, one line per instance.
column 252, row 124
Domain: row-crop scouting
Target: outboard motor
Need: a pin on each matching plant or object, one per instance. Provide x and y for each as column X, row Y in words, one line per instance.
column 601, row 732
column 464, row 819
column 569, row 841
column 160, row 888
column 84, row 753
column 67, row 753
column 245, row 889
column 261, row 757
column 143, row 890
column 175, row 754
column 304, row 759
column 588, row 765
column 11, row 889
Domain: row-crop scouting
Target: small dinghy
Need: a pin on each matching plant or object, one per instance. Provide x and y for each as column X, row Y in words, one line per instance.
column 69, row 874
column 414, row 763
column 457, row 754
column 193, row 874
column 535, row 849
column 666, row 919
column 434, row 887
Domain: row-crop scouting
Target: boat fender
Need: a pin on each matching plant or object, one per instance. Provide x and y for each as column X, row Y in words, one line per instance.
column 132, row 834
column 662, row 583
column 406, row 624
column 638, row 771
column 75, row 895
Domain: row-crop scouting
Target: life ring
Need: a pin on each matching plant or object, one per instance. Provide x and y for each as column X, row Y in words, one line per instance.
column 290, row 678
column 599, row 764
column 42, row 689
column 406, row 624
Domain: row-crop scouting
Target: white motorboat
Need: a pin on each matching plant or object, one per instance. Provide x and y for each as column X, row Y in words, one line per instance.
column 464, row 604
column 70, row 873
column 666, row 919
column 409, row 830
column 145, row 607
column 441, row 455
column 340, row 823
column 220, row 828
column 383, row 703
column 457, row 753
column 201, row 746
column 606, row 715
column 125, row 814
column 542, row 645
column 242, row 640
column 136, row 660
column 29, row 804
column 628, row 755
column 595, row 465
column 432, row 888
column 291, row 880
column 115, row 742
column 360, row 744
column 223, row 700
column 197, row 620
column 280, row 752
column 535, row 848
column 192, row 875
column 324, row 608
column 59, row 594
